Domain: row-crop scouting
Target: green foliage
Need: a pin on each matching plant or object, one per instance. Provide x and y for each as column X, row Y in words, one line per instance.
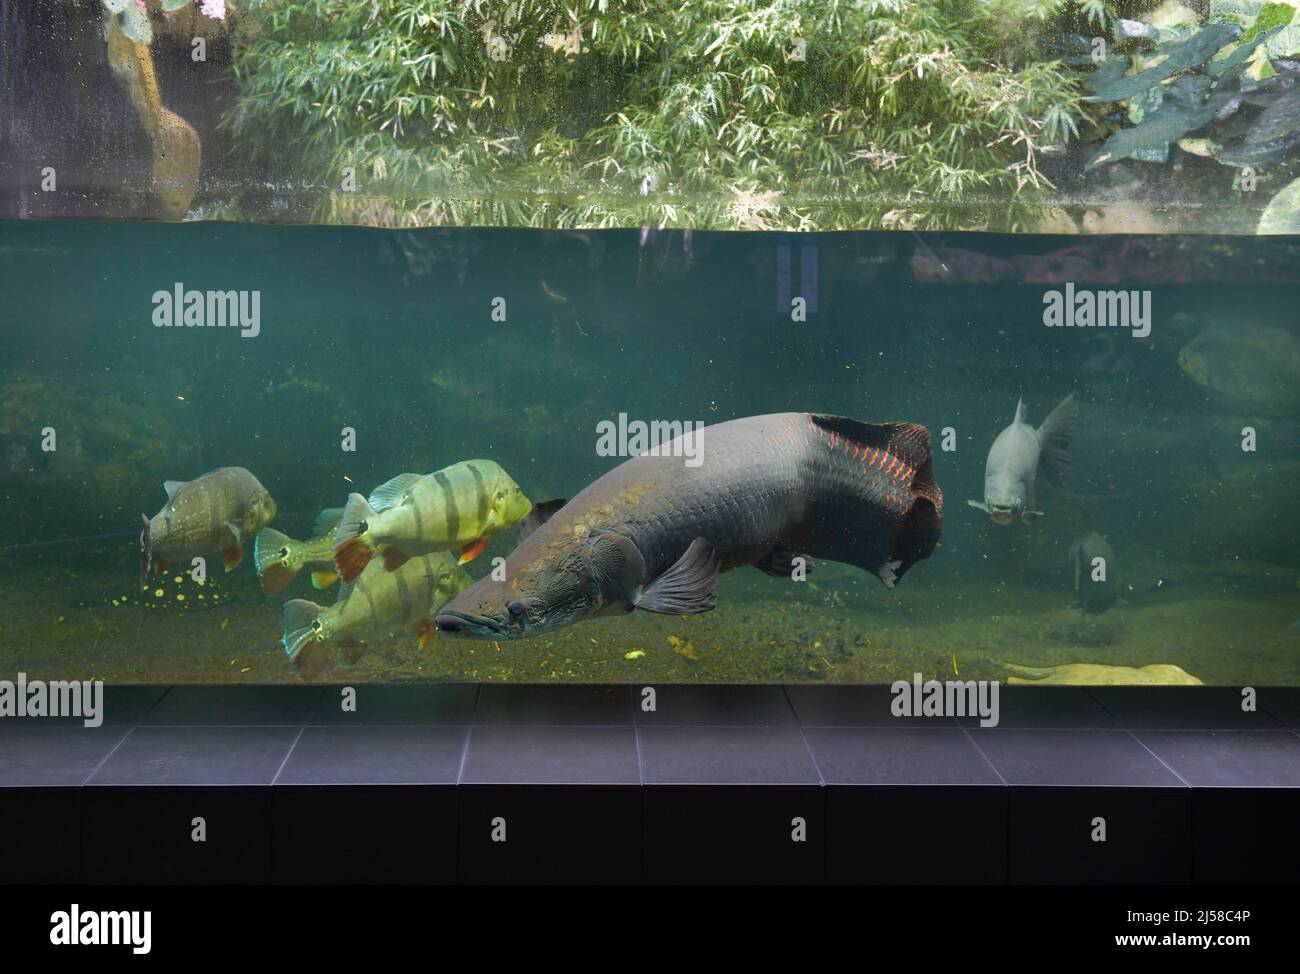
column 1270, row 15
column 809, row 114
column 1221, row 79
column 1283, row 212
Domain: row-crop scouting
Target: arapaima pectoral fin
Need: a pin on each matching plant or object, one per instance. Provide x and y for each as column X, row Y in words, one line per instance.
column 687, row 588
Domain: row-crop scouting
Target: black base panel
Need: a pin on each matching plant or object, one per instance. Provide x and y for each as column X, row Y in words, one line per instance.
column 43, row 826
column 550, row 834
column 658, row 834
column 1245, row 836
column 364, row 834
column 176, row 835
column 734, row 834
column 1105, row 836
column 916, row 835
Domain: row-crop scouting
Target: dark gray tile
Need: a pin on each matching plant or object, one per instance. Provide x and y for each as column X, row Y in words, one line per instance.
column 197, row 756
column 1229, row 759
column 840, row 706
column 375, row 756
column 1048, row 707
column 235, row 705
column 734, row 706
column 554, row 705
column 129, row 705
column 1181, row 708
column 1283, row 703
column 1075, row 758
column 120, row 706
column 560, row 755
column 34, row 753
column 424, row 703
column 898, row 756
column 725, row 756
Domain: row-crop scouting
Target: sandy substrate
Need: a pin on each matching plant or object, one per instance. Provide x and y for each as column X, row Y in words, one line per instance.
column 1230, row 631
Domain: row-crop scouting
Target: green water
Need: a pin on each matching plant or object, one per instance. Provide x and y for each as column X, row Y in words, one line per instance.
column 392, row 334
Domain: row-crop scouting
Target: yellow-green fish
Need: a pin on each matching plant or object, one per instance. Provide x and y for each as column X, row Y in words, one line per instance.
column 456, row 508
column 214, row 514
column 408, row 596
column 279, row 558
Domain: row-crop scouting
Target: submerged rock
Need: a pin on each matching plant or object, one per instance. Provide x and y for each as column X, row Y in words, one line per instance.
column 1249, row 366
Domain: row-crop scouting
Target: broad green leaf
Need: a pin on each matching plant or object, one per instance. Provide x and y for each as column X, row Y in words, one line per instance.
column 175, row 4
column 1196, row 50
column 1282, row 215
column 1184, row 110
column 1145, row 103
column 1278, row 119
column 1239, row 55
column 1258, row 153
column 1106, row 73
column 1270, row 15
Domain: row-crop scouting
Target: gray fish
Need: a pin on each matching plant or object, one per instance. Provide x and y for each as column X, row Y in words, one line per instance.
column 655, row 533
column 1096, row 583
column 1017, row 455
column 216, row 513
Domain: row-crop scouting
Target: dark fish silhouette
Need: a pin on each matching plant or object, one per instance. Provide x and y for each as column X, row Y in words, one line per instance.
column 655, row 532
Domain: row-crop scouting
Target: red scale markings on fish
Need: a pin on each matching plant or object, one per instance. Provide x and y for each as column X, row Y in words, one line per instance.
column 888, row 470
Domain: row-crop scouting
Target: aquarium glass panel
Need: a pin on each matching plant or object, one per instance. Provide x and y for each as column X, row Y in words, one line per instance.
column 235, row 453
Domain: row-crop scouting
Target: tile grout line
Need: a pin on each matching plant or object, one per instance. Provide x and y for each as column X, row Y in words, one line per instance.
column 464, row 754
column 1141, row 743
column 103, row 761
column 636, row 738
column 470, row 722
column 288, row 754
column 821, row 778
column 1165, row 764
column 987, row 760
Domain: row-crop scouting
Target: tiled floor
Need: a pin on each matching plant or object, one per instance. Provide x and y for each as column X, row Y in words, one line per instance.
column 1060, row 736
